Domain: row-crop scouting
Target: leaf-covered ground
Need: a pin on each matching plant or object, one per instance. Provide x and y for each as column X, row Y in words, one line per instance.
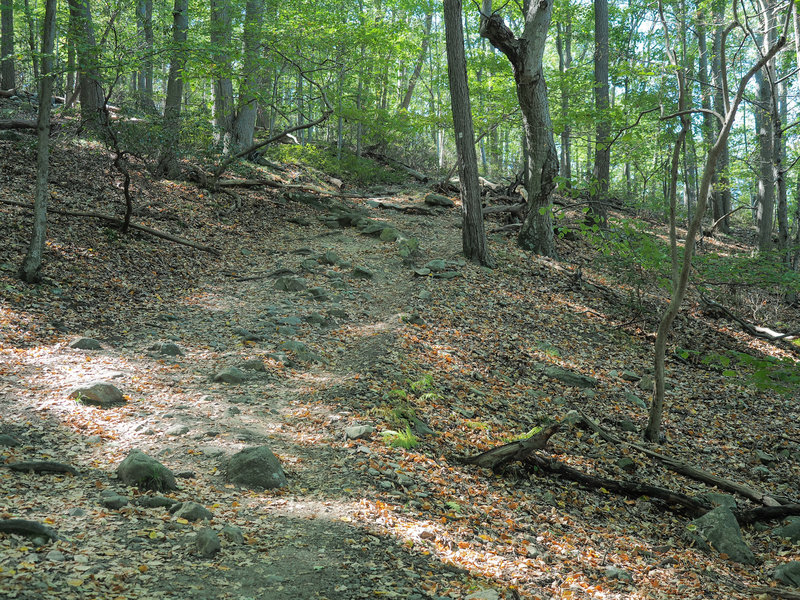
column 361, row 518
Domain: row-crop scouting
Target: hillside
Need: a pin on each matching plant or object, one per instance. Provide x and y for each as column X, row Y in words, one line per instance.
column 453, row 358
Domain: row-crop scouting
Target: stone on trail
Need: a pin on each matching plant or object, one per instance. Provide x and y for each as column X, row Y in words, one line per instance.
column 484, row 595
column 290, row 284
column 233, row 534
column 192, row 511
column 439, row 200
column 155, row 501
column 358, row 432
column 230, row 375
column 253, row 365
column 634, row 399
column 9, row 440
column 719, row 529
column 329, row 258
column 145, row 472
column 436, row 265
column 256, row 467
column 320, row 294
column 207, row 542
column 389, row 234
column 86, row 344
column 791, row 530
column 101, row 393
column 166, row 349
column 177, row 430
column 301, row 351
column 111, row 499
column 789, row 574
column 570, row 378
column 362, row 273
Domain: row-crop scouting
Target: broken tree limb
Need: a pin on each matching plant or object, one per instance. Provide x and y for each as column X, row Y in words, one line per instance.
column 17, row 124
column 764, row 333
column 498, row 457
column 30, row 529
column 42, row 466
column 119, row 223
column 514, row 209
column 683, row 469
column 766, row 513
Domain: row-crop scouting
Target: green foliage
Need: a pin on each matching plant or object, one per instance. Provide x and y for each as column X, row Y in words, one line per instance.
column 401, row 439
column 766, row 373
column 351, row 168
column 765, row 270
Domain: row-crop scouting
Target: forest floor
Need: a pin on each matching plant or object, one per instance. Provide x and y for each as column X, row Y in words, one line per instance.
column 366, row 518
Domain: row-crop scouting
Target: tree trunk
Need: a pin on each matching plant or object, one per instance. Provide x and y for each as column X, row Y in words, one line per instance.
column 245, row 119
column 223, row 86
column 721, row 189
column 765, row 195
column 473, row 234
column 168, row 161
column 144, row 78
column 412, row 82
column 525, row 54
column 564, row 48
column 31, row 21
column 32, row 263
column 92, row 98
column 602, row 156
column 7, row 75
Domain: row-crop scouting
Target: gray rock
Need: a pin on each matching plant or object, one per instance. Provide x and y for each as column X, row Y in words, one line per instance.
column 9, row 440
column 145, row 472
column 718, row 529
column 256, row 467
column 717, row 499
column 168, row 349
column 101, row 393
column 484, row 595
column 230, row 375
column 358, row 432
column 789, row 573
column 447, row 274
column 412, row 319
column 407, row 248
column 155, row 502
column 629, row 426
column 112, row 500
column 177, row 429
column 368, row 227
column 630, row 376
column 248, row 335
column 646, row 383
column 626, row 464
column 55, row 556
column 316, row 319
column 253, row 365
column 570, row 378
column 634, row 399
column 337, row 313
column 791, row 530
column 422, row 272
column 329, row 258
column 233, row 534
column 439, row 200
column 320, row 294
column 301, row 351
column 389, row 234
column 192, row 511
column 620, row 574
column 362, row 273
column 765, row 459
column 290, row 284
column 436, row 265
column 289, row 320
column 86, row 344
column 207, row 542
column 309, row 265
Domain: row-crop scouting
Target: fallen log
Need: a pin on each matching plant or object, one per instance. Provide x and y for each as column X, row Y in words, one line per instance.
column 17, row 124
column 500, row 456
column 119, row 223
column 30, row 529
column 514, row 209
column 41, row 466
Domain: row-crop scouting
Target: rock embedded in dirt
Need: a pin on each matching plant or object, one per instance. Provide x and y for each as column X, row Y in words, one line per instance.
column 230, row 375
column 290, row 284
column 113, row 500
column 301, row 351
column 9, row 441
column 718, row 529
column 155, row 501
column 233, row 534
column 484, row 595
column 86, row 344
column 436, row 265
column 256, row 467
column 320, row 294
column 329, row 258
column 145, row 472
column 358, row 432
column 634, row 399
column 100, row 393
column 439, row 200
column 177, row 430
column 207, row 542
column 790, row 530
column 192, row 511
column 412, row 319
column 717, row 499
column 253, row 365
column 167, row 349
column 389, row 234
column 630, row 376
column 789, row 574
column 362, row 273
column 570, row 378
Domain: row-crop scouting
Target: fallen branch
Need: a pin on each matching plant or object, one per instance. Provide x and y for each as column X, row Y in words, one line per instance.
column 30, row 529
column 17, row 124
column 119, row 223
column 42, row 466
column 514, row 209
column 764, row 333
column 500, row 456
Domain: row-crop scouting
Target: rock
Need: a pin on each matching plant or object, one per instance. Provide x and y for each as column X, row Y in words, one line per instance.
column 291, row 321
column 309, row 265
column 629, row 426
column 207, row 542
column 634, row 399
column 718, row 529
column 484, row 595
column 155, row 501
column 420, row 427
column 765, row 458
column 230, row 375
column 447, row 274
column 412, row 319
column 113, row 500
column 167, row 349
column 192, row 511
column 626, row 464
column 86, row 344
column 253, row 365
column 177, row 429
column 407, row 247
column 256, row 467
column 615, row 573
column 301, row 351
column 248, row 335
column 646, row 383
column 368, row 227
column 316, row 319
column 358, row 432
column 233, row 534
column 439, row 200
column 337, row 313
column 145, row 472
column 436, row 265
column 319, row 294
column 422, row 272
column 789, row 573
column 329, row 258
column 630, row 376
column 9, row 440
column 389, row 234
column 55, row 556
column 717, row 499
column 362, row 273
column 290, row 284
column 101, row 393
column 570, row 378
column 791, row 530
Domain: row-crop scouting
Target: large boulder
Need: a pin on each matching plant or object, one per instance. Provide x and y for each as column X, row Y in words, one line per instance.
column 256, row 467
column 570, row 378
column 790, row 530
column 145, row 472
column 100, row 394
column 718, row 529
column 789, row 574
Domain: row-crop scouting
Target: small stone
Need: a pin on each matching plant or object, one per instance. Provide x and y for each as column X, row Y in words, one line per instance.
column 646, row 383
column 256, row 467
column 55, row 556
column 484, row 595
column 620, row 574
column 207, row 542
column 155, row 502
column 233, row 534
column 319, row 294
column 412, row 319
column 76, row 512
column 422, row 272
column 717, row 499
column 192, row 511
column 113, row 500
column 253, row 365
column 86, row 344
column 570, row 378
column 389, row 234
column 290, row 284
column 358, row 432
column 230, row 375
column 362, row 273
column 145, row 472
column 790, row 530
column 634, row 399
column 789, row 573
column 765, row 458
column 630, row 376
column 9, row 440
column 170, row 349
column 436, row 265
column 629, row 426
column 101, row 394
column 177, row 429
column 626, row 464
column 439, row 200
column 329, row 258
column 447, row 274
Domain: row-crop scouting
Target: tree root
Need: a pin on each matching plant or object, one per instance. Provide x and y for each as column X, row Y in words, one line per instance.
column 42, row 466
column 30, row 529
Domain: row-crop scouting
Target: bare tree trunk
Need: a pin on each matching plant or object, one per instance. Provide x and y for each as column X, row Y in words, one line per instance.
column 92, row 98
column 765, row 129
column 412, row 82
column 223, row 86
column 32, row 263
column 31, row 21
column 245, row 119
column 564, row 48
column 7, row 74
column 168, row 161
column 144, row 77
column 602, row 156
column 473, row 234
column 525, row 54
column 721, row 189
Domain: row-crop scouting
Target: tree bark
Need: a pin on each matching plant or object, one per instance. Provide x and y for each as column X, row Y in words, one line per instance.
column 32, row 263
column 144, row 79
column 168, row 161
column 7, row 74
column 602, row 151
column 525, row 55
column 423, row 52
column 564, row 48
column 473, row 234
column 721, row 183
column 223, row 86
column 92, row 98
column 245, row 119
